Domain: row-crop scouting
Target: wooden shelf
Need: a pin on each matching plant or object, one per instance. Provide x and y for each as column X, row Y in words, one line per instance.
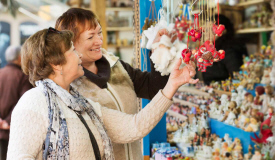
column 255, row 30
column 183, row 102
column 220, row 92
column 119, row 28
column 119, row 9
column 193, row 91
column 175, row 114
column 251, row 2
column 113, row 46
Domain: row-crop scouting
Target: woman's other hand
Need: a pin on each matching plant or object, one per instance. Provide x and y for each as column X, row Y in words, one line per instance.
column 164, row 31
column 179, row 77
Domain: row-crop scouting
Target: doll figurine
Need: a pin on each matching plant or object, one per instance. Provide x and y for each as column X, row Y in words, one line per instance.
column 241, row 122
column 249, row 155
column 248, row 101
column 224, row 149
column 257, row 155
column 230, row 119
column 251, row 81
column 266, row 77
column 253, row 125
column 259, row 91
column 216, row 154
column 268, row 98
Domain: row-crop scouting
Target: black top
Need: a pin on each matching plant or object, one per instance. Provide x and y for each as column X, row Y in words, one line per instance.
column 146, row 84
column 103, row 74
column 234, row 51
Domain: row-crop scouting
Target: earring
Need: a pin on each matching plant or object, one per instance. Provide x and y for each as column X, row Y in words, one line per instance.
column 61, row 72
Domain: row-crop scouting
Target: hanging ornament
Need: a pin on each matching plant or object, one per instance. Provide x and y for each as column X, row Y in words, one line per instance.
column 196, row 31
column 186, row 55
column 181, row 27
column 218, row 29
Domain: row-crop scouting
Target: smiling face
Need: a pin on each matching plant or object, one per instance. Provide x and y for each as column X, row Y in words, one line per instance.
column 72, row 69
column 89, row 43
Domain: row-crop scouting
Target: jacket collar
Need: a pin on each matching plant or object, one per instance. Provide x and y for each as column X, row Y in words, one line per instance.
column 110, row 57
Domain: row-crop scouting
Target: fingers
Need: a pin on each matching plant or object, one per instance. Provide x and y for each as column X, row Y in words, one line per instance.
column 192, row 70
column 193, row 81
column 193, row 64
column 178, row 63
column 173, row 36
column 162, row 32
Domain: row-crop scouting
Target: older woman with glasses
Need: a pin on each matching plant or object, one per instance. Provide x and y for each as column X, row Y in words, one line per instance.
column 54, row 121
column 108, row 80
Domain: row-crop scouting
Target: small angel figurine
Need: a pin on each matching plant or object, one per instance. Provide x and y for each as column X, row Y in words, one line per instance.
column 253, row 125
column 267, row 98
column 259, row 91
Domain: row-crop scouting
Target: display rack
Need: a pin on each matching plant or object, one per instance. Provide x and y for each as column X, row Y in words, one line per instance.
column 255, row 30
column 251, row 2
column 119, row 9
column 119, row 28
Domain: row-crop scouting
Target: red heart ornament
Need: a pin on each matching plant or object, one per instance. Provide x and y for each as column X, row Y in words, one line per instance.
column 198, row 35
column 191, row 32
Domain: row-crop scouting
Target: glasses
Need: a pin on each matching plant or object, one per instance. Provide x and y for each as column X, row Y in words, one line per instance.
column 51, row 30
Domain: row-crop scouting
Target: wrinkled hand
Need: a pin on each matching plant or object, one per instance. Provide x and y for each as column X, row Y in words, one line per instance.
column 161, row 32
column 179, row 77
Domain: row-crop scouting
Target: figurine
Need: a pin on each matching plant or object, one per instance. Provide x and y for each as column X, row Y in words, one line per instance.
column 258, row 70
column 241, row 91
column 224, row 149
column 248, row 101
column 216, row 154
column 257, row 155
column 272, row 74
column 242, row 119
column 266, row 78
column 259, row 91
column 265, row 129
column 267, row 98
column 253, row 126
column 224, row 103
column 249, row 155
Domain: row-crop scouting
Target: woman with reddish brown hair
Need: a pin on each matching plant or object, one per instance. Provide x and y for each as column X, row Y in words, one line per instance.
column 108, row 80
column 54, row 121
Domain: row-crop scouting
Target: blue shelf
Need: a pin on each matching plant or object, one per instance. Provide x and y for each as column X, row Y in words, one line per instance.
column 221, row 129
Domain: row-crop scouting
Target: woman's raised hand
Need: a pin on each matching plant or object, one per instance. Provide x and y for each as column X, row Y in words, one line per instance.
column 179, row 77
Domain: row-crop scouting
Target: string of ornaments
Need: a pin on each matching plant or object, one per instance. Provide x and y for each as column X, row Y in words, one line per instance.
column 206, row 53
column 201, row 30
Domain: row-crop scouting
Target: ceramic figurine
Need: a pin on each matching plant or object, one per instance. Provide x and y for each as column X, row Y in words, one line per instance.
column 253, row 125
column 241, row 91
column 259, row 91
column 266, row 77
column 224, row 149
column 216, row 154
column 228, row 156
column 224, row 103
column 257, row 155
column 249, row 155
column 248, row 101
column 230, row 119
column 272, row 74
column 267, row 98
column 228, row 139
column 240, row 122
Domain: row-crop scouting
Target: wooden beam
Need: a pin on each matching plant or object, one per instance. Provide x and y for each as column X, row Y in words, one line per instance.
column 99, row 8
